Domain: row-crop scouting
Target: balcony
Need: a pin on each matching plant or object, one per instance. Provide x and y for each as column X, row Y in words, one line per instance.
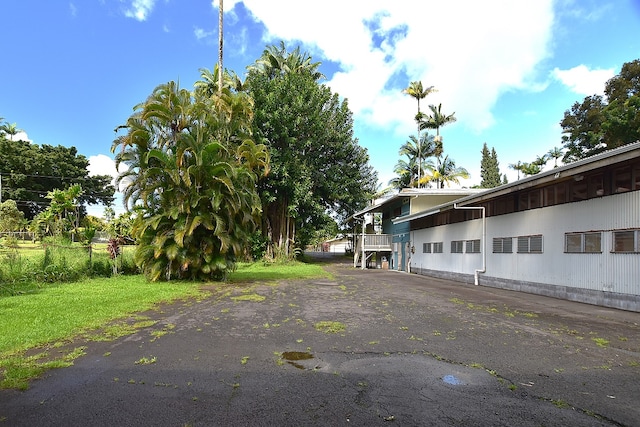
column 374, row 242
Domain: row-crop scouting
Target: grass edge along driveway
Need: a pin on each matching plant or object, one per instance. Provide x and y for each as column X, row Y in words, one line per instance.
column 59, row 314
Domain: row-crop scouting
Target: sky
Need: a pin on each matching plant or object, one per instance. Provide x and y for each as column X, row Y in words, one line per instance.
column 72, row 71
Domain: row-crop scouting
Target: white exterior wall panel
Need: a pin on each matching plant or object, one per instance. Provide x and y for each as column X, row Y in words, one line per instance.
column 446, row 261
column 606, row 271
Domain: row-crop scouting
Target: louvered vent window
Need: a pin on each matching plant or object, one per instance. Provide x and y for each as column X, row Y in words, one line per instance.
column 457, row 246
column 472, row 246
column 502, row 245
column 530, row 244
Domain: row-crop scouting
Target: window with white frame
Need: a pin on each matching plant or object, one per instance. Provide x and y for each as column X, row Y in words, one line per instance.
column 472, row 246
column 457, row 246
column 626, row 241
column 502, row 245
column 530, row 244
column 437, row 247
column 583, row 243
column 426, row 248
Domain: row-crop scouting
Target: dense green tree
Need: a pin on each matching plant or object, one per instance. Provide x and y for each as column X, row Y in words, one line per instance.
column 30, row 171
column 489, row 168
column 192, row 172
column 599, row 123
column 11, row 219
column 94, row 222
column 317, row 166
column 64, row 207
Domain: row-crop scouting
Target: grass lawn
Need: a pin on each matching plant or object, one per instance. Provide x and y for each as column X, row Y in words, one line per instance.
column 61, row 312
column 58, row 312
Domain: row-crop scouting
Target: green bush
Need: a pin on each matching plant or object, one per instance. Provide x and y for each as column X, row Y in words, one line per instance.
column 24, row 270
column 258, row 245
column 9, row 241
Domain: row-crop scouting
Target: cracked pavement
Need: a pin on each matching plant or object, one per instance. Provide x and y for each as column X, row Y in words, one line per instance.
column 414, row 351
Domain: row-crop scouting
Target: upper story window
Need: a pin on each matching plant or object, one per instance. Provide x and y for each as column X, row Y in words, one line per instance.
column 622, row 180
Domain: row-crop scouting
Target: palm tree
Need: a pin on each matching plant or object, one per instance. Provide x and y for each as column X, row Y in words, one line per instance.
column 435, row 121
column 220, row 32
column 541, row 160
column 10, row 129
column 419, row 149
column 192, row 173
column 532, row 168
column 415, row 90
column 277, row 61
column 447, row 172
column 405, row 175
column 517, row 167
column 555, row 153
column 210, row 81
column 408, row 171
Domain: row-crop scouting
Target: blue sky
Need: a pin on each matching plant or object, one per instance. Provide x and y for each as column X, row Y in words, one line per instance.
column 73, row 70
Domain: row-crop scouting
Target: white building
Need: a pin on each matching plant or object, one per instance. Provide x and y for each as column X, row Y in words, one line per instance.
column 572, row 233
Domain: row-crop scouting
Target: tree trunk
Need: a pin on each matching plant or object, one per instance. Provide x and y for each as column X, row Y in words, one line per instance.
column 220, row 31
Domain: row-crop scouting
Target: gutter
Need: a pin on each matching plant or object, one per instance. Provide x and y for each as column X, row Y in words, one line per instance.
column 484, row 239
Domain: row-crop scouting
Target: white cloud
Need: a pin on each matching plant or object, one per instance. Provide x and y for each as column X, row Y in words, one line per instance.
column 582, row 80
column 20, row 136
column 105, row 165
column 471, row 51
column 73, row 9
column 102, row 165
column 202, row 34
column 140, row 9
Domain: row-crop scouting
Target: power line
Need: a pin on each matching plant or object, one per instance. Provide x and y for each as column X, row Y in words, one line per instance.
column 10, row 174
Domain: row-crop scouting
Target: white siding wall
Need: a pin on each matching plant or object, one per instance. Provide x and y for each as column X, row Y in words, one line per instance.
column 606, row 271
column 446, row 261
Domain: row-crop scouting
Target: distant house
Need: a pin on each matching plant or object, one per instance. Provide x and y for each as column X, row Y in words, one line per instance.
column 341, row 244
column 572, row 232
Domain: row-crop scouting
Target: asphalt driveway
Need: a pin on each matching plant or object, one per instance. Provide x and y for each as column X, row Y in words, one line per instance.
column 413, row 351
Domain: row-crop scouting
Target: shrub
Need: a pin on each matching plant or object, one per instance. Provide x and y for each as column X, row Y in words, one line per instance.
column 10, row 241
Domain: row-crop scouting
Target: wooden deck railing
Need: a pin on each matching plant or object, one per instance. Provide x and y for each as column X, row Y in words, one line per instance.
column 376, row 242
